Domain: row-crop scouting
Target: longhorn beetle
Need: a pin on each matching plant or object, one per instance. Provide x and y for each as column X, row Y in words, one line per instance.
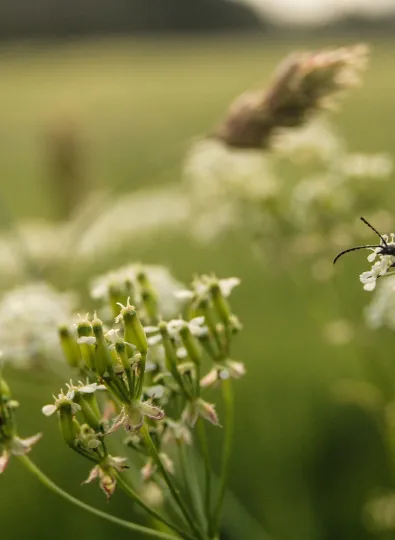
column 385, row 248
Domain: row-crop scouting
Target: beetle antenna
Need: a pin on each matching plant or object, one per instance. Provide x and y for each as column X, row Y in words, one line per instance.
column 353, row 249
column 373, row 229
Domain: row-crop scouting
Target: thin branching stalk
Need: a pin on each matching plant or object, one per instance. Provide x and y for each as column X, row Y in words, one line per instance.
column 227, row 392
column 47, row 482
column 137, row 499
column 169, row 482
column 201, row 429
column 191, row 482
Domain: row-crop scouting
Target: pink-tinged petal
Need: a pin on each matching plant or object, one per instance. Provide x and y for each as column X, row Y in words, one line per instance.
column 153, row 412
column 148, row 470
column 4, row 459
column 92, row 475
column 117, row 463
column 236, row 369
column 210, row 379
column 30, row 442
column 207, row 411
column 190, row 414
column 107, row 484
column 118, row 422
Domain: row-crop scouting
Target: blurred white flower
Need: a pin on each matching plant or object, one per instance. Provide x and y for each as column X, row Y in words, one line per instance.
column 318, row 195
column 365, row 165
column 314, row 140
column 381, row 311
column 132, row 217
column 220, row 181
column 29, row 319
column 163, row 283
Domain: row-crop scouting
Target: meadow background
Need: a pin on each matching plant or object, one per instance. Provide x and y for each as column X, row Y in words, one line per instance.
column 302, row 464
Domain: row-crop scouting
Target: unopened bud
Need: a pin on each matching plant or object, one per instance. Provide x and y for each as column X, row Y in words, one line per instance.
column 134, row 331
column 103, row 360
column 69, row 426
column 70, row 347
column 84, row 330
column 221, row 305
column 190, row 343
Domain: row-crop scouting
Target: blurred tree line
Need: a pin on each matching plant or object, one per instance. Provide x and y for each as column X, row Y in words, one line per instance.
column 57, row 18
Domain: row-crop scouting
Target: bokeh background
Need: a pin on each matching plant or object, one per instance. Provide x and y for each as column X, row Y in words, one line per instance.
column 134, row 82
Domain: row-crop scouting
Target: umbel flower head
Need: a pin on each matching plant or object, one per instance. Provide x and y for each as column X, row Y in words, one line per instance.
column 381, row 266
column 10, row 443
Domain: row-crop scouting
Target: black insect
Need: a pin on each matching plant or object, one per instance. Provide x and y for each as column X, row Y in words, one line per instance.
column 385, row 248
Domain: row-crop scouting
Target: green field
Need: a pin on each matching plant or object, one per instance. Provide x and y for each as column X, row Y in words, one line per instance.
column 302, row 464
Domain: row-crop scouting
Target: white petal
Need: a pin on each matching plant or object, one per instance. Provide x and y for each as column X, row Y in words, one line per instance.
column 197, row 321
column 48, row 410
column 184, row 294
column 151, row 329
column 154, row 340
column 370, row 286
column 226, row 285
column 372, row 256
column 88, row 340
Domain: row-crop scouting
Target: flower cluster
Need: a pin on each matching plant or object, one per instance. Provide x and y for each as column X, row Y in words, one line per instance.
column 143, row 373
column 381, row 266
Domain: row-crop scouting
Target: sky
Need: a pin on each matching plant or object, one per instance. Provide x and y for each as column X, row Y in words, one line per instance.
column 319, row 11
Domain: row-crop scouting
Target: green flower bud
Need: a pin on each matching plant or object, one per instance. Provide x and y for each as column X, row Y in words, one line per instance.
column 170, row 351
column 5, row 392
column 69, row 426
column 102, row 360
column 221, row 305
column 191, row 344
column 90, row 410
column 84, row 330
column 70, row 347
column 134, row 331
column 121, row 350
column 7, row 416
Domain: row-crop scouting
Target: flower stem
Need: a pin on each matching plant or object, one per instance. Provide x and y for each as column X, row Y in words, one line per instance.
column 32, row 467
column 173, row 490
column 227, row 392
column 207, row 468
column 191, row 482
column 135, row 497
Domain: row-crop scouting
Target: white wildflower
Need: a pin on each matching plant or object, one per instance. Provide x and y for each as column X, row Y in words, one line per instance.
column 314, row 140
column 29, row 319
column 371, row 166
column 381, row 311
column 196, row 326
column 379, row 268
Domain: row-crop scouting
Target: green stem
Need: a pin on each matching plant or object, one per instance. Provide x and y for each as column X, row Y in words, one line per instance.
column 135, row 497
column 191, row 482
column 140, row 383
column 227, row 392
column 32, row 467
column 207, row 467
column 169, row 482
